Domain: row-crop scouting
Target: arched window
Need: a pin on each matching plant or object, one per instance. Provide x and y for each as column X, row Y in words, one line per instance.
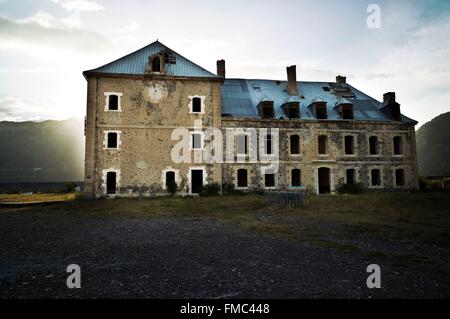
column 156, row 64
column 322, row 144
column 296, row 179
column 373, row 145
column 295, row 144
column 242, row 178
column 349, row 147
column 398, row 147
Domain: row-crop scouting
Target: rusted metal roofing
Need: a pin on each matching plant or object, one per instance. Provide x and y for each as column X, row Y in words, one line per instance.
column 240, row 98
column 135, row 63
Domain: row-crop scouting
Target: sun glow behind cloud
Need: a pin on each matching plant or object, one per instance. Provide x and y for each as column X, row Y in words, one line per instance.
column 46, row 44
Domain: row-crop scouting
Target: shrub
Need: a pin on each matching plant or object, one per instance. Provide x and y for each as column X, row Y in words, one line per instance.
column 350, row 188
column 212, row 189
column 172, row 187
column 70, row 187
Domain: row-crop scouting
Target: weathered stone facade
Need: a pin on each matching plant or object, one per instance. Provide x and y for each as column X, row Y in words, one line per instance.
column 138, row 113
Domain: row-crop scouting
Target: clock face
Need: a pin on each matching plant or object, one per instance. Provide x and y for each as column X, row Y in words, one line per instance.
column 156, row 92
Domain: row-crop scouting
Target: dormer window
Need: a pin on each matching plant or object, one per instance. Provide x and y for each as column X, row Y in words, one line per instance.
column 321, row 111
column 155, row 64
column 292, row 112
column 347, row 112
column 267, row 110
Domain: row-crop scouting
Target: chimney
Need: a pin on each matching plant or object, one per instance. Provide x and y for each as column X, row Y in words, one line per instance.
column 341, row 79
column 292, row 80
column 221, row 68
column 389, row 97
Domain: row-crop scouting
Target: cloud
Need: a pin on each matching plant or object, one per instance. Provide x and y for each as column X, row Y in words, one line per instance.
column 78, row 5
column 18, row 109
column 132, row 26
column 46, row 33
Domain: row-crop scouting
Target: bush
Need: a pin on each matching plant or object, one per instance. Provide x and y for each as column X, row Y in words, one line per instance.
column 212, row 189
column 70, row 187
column 350, row 188
column 172, row 188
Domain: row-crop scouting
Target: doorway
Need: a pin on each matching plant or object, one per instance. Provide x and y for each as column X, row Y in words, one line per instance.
column 111, row 183
column 324, row 180
column 196, row 181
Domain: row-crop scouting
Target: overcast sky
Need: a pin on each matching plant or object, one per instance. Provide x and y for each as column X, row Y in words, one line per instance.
column 46, row 44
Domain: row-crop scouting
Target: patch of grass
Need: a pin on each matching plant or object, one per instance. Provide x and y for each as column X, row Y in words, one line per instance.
column 32, row 198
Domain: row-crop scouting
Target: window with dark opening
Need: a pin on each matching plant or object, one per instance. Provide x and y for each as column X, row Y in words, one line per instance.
column 242, row 144
column 269, row 180
column 112, row 140
column 268, row 144
column 349, row 147
column 295, row 144
column 375, row 177
column 373, row 145
column 322, row 145
column 170, row 178
column 156, row 64
column 292, row 112
column 347, row 112
column 196, row 105
column 196, row 141
column 296, row 178
column 242, row 177
column 113, row 103
column 267, row 111
column 399, row 177
column 321, row 112
column 351, row 176
column 398, row 148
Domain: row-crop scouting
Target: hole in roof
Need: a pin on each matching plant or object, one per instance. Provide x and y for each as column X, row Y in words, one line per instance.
column 326, row 88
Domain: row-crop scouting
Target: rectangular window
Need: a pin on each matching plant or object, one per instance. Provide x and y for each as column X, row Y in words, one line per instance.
column 375, row 177
column 113, row 103
column 321, row 112
column 242, row 144
column 112, row 140
column 349, row 149
column 322, row 144
column 296, row 178
column 295, row 144
column 347, row 112
column 268, row 144
column 269, row 180
column 267, row 111
column 196, row 141
column 400, row 177
column 351, row 177
column 292, row 112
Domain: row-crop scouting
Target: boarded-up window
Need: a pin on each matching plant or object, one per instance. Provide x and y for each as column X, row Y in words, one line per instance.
column 196, row 105
column 113, row 103
column 349, row 147
column 112, row 140
column 196, row 141
column 242, row 144
column 399, row 177
column 398, row 147
column 242, row 178
column 295, row 144
column 322, row 145
column 296, row 180
column 351, row 176
column 269, row 180
column 375, row 177
column 373, row 145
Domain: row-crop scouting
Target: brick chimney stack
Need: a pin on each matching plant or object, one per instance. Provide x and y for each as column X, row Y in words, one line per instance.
column 292, row 80
column 221, row 68
column 389, row 97
column 341, row 79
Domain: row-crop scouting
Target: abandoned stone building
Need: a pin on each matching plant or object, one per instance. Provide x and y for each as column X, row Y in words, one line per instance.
column 328, row 133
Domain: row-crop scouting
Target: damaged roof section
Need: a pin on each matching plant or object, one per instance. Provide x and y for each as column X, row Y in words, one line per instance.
column 136, row 62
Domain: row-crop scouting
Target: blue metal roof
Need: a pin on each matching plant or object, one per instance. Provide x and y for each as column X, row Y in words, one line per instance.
column 135, row 64
column 240, row 98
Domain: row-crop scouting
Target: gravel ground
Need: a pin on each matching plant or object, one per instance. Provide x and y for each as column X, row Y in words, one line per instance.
column 138, row 257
